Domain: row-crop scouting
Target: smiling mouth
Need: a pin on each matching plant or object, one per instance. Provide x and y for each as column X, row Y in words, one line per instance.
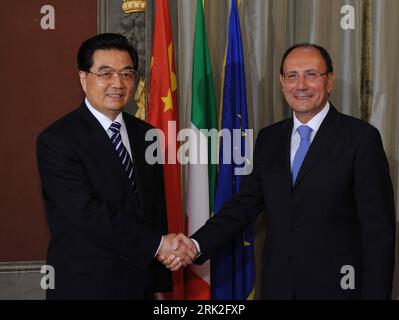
column 302, row 97
column 115, row 95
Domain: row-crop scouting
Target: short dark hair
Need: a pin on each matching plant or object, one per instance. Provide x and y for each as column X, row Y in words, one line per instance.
column 323, row 52
column 104, row 41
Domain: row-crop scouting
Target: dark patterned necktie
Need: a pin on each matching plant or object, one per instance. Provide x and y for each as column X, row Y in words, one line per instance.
column 127, row 162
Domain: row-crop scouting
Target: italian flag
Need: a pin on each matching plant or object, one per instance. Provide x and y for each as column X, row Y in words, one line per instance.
column 201, row 176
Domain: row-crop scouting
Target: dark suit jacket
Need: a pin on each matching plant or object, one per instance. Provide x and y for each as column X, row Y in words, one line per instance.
column 103, row 240
column 339, row 212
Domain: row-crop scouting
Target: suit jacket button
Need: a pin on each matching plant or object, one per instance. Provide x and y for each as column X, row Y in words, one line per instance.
column 290, row 258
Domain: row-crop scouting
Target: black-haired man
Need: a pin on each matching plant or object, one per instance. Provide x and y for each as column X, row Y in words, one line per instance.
column 104, row 203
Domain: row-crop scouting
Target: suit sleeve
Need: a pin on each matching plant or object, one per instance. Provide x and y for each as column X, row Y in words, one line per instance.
column 235, row 214
column 375, row 205
column 66, row 184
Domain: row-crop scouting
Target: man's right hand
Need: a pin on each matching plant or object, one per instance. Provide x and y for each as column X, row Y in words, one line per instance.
column 177, row 251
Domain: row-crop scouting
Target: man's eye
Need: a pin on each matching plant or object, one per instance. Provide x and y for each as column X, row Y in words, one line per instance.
column 291, row 76
column 311, row 75
column 105, row 74
column 126, row 75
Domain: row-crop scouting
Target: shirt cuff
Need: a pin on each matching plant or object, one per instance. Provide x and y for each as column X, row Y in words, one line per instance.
column 159, row 247
column 197, row 246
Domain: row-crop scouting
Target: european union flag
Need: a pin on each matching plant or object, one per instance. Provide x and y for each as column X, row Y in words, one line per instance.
column 233, row 270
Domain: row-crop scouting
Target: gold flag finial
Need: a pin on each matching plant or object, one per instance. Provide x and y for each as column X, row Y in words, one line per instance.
column 140, row 100
column 130, row 6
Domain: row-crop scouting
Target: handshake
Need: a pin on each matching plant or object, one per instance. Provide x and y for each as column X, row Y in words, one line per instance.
column 177, row 251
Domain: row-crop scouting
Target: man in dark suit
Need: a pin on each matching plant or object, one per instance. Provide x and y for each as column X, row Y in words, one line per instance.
column 104, row 203
column 322, row 180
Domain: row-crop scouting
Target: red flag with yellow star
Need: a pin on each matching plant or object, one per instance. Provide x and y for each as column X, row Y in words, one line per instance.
column 162, row 112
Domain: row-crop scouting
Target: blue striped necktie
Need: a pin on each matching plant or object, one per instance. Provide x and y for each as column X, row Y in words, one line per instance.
column 127, row 162
column 304, row 132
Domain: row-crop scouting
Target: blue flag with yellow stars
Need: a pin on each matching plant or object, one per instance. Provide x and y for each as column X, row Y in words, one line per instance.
column 233, row 270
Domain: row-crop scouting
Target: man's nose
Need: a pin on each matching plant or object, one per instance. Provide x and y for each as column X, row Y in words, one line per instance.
column 116, row 81
column 301, row 83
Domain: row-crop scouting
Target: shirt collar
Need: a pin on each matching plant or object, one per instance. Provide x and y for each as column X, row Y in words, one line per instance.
column 315, row 122
column 103, row 119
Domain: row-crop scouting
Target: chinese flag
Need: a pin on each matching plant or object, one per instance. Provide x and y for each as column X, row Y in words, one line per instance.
column 162, row 112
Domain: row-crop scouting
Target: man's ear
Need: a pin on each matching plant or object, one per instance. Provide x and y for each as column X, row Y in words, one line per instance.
column 83, row 80
column 281, row 79
column 330, row 82
column 282, row 82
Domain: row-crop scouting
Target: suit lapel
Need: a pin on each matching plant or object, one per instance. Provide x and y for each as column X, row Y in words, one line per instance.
column 286, row 152
column 325, row 138
column 99, row 144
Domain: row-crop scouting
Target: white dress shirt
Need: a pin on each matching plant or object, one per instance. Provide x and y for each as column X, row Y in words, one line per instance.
column 106, row 122
column 313, row 123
